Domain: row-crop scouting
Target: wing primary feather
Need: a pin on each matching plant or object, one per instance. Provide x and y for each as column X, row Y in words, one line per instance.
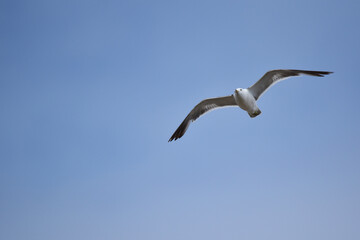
column 180, row 131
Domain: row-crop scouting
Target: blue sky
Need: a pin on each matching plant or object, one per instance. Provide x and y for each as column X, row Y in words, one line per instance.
column 90, row 92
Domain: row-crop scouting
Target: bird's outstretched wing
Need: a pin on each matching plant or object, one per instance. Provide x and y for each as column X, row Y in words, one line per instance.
column 200, row 109
column 274, row 76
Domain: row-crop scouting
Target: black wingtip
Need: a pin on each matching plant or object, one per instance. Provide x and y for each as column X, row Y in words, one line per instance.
column 174, row 138
column 177, row 134
column 317, row 73
column 322, row 73
column 180, row 131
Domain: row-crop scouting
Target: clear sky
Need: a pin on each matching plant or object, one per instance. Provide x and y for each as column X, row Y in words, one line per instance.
column 91, row 91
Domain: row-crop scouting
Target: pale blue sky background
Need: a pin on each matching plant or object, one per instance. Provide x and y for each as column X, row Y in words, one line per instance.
column 90, row 92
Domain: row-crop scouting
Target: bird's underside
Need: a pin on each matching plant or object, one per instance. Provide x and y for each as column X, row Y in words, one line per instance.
column 244, row 98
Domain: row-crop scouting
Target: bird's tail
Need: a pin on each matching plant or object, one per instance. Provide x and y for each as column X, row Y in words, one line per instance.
column 255, row 113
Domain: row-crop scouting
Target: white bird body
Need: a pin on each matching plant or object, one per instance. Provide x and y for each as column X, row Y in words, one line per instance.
column 244, row 98
column 246, row 101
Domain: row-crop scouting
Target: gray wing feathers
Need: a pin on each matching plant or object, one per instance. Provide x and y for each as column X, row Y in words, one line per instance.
column 200, row 109
column 274, row 76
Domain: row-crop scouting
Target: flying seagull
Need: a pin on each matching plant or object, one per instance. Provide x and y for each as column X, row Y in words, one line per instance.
column 245, row 98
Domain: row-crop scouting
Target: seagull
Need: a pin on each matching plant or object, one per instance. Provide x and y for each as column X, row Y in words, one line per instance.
column 245, row 98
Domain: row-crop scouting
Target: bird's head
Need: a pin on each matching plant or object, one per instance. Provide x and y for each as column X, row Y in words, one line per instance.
column 238, row 91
